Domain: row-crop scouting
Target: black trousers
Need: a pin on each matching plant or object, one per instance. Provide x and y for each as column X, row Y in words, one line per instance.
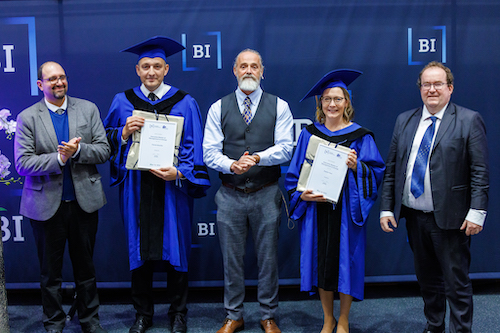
column 142, row 289
column 442, row 261
column 72, row 224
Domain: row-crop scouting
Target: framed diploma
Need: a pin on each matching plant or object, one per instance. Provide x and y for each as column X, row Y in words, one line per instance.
column 328, row 171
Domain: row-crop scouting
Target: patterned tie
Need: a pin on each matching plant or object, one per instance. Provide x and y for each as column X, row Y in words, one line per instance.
column 60, row 111
column 417, row 177
column 152, row 97
column 247, row 113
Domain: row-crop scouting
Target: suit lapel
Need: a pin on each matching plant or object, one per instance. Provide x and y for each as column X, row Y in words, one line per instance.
column 411, row 130
column 448, row 117
column 46, row 120
column 72, row 117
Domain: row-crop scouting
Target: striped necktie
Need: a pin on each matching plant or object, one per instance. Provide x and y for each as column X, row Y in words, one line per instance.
column 152, row 97
column 247, row 113
column 420, row 166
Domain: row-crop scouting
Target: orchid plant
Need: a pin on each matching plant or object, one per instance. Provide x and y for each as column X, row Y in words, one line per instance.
column 9, row 126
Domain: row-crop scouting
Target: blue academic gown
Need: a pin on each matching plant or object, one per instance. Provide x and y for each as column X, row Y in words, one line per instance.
column 178, row 194
column 359, row 195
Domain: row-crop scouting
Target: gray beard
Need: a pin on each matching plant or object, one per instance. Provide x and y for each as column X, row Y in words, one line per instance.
column 249, row 84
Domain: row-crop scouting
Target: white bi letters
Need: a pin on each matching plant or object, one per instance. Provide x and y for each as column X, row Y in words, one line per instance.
column 427, row 45
column 201, row 51
column 15, row 231
column 8, row 65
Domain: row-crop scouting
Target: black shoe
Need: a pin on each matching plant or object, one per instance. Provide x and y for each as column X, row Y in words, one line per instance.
column 141, row 324
column 96, row 328
column 54, row 331
column 428, row 331
column 178, row 323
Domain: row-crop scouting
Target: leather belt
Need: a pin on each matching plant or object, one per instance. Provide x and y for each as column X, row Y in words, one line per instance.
column 246, row 189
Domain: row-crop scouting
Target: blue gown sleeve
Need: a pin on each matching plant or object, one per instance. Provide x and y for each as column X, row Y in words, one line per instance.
column 190, row 157
column 119, row 111
column 297, row 205
column 364, row 183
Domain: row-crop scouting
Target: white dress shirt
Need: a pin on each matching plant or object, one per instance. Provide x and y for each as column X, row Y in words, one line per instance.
column 280, row 152
column 159, row 92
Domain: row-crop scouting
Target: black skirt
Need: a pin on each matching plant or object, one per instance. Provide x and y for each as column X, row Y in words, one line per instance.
column 328, row 220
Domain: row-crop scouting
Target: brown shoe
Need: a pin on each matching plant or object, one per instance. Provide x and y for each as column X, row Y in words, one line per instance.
column 231, row 326
column 269, row 326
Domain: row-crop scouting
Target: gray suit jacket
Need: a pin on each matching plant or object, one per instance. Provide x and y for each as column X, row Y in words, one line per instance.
column 458, row 165
column 35, row 152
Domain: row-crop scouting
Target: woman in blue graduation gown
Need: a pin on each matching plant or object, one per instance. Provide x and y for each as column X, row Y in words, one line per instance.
column 333, row 236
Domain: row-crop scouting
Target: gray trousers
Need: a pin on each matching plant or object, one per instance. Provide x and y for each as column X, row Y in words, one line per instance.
column 237, row 212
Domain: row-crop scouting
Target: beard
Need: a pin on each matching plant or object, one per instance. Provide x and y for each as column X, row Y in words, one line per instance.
column 60, row 94
column 248, row 82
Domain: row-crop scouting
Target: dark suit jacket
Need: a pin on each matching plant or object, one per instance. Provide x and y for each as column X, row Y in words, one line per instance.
column 35, row 150
column 458, row 165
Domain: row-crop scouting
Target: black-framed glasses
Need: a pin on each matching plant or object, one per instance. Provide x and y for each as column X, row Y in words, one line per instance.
column 437, row 85
column 55, row 79
column 337, row 100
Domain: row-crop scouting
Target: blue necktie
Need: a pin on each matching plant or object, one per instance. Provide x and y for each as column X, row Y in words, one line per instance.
column 247, row 113
column 420, row 166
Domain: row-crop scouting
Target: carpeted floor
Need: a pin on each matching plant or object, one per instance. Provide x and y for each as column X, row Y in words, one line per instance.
column 387, row 308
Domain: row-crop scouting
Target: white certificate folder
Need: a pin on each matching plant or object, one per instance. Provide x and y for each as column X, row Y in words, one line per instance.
column 328, row 171
column 157, row 145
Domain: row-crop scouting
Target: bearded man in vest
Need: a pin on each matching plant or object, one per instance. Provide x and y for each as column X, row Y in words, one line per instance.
column 248, row 135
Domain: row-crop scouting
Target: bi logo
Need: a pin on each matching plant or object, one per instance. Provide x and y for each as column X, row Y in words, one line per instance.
column 426, row 45
column 203, row 50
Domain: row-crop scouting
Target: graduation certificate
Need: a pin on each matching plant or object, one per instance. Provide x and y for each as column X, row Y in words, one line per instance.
column 157, row 144
column 328, row 171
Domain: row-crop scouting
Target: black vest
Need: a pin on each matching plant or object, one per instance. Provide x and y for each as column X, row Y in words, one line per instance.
column 257, row 136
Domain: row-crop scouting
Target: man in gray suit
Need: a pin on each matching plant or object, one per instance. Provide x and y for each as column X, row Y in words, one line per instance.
column 437, row 179
column 58, row 143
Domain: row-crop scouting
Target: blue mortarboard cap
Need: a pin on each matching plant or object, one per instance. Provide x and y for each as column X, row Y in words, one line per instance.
column 336, row 78
column 158, row 46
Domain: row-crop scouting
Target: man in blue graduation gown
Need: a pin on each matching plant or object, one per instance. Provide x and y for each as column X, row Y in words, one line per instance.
column 157, row 204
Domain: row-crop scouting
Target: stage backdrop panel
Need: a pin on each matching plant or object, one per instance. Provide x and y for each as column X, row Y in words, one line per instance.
column 390, row 41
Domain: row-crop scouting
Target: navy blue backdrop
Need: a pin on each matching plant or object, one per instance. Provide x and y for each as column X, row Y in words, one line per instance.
column 390, row 41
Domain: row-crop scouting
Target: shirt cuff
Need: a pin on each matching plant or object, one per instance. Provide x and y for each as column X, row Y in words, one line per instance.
column 124, row 142
column 226, row 167
column 476, row 216
column 76, row 154
column 386, row 213
column 59, row 159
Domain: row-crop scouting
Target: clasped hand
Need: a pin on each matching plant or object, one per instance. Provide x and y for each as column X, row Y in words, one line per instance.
column 67, row 149
column 244, row 164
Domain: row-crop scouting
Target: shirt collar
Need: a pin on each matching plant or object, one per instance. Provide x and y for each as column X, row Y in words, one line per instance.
column 439, row 115
column 54, row 108
column 161, row 91
column 254, row 96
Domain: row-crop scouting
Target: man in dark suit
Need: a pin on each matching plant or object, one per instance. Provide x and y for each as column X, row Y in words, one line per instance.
column 58, row 143
column 437, row 179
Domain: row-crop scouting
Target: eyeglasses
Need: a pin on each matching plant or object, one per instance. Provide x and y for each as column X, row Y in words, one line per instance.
column 55, row 79
column 437, row 85
column 337, row 100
